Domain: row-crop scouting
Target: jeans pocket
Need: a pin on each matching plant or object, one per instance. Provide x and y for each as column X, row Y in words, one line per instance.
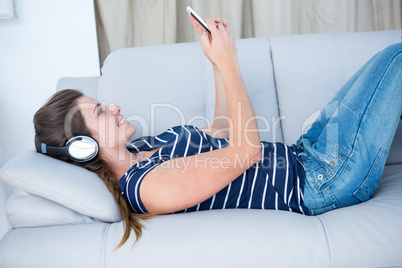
column 324, row 169
column 368, row 187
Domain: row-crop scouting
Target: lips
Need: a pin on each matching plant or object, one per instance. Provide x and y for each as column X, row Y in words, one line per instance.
column 121, row 122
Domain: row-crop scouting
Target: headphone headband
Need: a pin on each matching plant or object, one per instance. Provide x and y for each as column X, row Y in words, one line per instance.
column 79, row 148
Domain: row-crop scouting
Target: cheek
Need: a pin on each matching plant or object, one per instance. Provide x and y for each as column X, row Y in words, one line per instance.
column 109, row 127
column 94, row 128
column 101, row 129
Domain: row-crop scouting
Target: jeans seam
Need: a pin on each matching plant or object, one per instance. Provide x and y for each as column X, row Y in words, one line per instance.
column 316, row 168
column 340, row 175
column 371, row 99
column 322, row 166
column 317, row 190
column 352, row 108
column 375, row 164
column 336, row 201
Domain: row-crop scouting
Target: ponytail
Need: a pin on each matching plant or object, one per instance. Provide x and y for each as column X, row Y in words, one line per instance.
column 131, row 220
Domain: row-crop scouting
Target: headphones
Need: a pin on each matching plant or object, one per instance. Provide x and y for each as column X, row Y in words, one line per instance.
column 78, row 148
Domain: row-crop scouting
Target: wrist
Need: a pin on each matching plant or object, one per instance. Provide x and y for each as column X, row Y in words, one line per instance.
column 232, row 68
column 215, row 67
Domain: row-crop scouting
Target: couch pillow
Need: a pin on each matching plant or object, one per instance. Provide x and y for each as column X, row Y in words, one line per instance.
column 71, row 186
column 28, row 210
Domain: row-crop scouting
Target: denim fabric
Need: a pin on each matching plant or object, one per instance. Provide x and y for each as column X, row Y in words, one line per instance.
column 345, row 150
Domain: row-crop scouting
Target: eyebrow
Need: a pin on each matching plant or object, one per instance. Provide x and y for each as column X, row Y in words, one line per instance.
column 97, row 106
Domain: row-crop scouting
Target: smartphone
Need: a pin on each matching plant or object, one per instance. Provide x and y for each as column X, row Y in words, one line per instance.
column 200, row 21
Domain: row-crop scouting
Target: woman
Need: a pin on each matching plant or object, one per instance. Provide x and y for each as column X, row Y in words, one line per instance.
column 226, row 165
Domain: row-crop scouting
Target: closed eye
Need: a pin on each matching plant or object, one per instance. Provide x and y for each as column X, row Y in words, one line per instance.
column 100, row 110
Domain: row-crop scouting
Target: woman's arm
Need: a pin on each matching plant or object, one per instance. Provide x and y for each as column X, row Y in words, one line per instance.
column 184, row 182
column 219, row 128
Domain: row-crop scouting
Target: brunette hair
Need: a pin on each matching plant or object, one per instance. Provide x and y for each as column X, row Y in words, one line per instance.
column 50, row 128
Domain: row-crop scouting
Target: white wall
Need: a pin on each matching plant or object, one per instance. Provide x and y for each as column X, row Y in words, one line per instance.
column 47, row 40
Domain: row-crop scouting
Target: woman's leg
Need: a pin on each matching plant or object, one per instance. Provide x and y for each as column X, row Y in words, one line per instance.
column 346, row 148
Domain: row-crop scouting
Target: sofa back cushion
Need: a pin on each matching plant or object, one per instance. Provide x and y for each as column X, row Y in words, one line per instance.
column 310, row 69
column 289, row 78
column 162, row 86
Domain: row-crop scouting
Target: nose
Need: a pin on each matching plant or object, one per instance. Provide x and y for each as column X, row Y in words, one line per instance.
column 115, row 109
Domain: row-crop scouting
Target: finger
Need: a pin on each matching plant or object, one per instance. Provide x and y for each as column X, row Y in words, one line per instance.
column 225, row 23
column 211, row 26
column 217, row 21
column 205, row 43
column 197, row 27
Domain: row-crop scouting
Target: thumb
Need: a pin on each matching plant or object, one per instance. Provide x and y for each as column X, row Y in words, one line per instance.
column 204, row 38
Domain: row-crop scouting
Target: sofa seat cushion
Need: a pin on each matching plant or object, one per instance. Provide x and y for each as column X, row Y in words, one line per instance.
column 364, row 235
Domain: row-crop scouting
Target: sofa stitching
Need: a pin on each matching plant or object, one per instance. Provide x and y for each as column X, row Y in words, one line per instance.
column 341, row 58
column 276, row 89
column 104, row 244
column 205, row 87
column 371, row 266
column 64, row 221
column 326, row 238
column 2, row 245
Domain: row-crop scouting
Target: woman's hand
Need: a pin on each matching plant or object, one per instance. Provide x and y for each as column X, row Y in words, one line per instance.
column 220, row 46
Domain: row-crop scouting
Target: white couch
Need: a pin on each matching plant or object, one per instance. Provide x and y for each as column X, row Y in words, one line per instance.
column 63, row 216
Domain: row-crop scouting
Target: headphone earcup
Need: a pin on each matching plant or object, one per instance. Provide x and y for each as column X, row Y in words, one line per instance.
column 82, row 148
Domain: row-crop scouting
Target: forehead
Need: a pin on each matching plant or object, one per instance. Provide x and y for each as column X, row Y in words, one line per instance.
column 86, row 104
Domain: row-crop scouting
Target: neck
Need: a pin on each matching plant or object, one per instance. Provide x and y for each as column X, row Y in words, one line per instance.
column 120, row 160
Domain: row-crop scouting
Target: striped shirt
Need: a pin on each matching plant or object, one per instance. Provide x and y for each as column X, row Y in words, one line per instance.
column 275, row 182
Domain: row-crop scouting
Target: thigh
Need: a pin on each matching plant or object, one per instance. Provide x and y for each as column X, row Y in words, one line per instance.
column 349, row 141
column 357, row 93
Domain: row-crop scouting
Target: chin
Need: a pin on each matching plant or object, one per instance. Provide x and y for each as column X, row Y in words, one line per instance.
column 130, row 131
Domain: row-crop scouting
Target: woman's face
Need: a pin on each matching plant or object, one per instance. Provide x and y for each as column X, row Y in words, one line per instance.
column 106, row 123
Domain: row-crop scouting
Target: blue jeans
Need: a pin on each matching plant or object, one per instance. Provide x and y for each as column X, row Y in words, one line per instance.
column 345, row 150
